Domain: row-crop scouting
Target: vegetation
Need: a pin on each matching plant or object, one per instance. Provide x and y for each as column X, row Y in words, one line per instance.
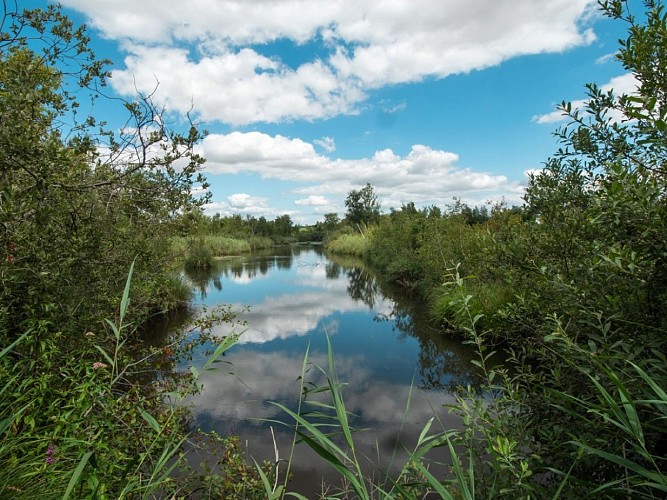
column 85, row 410
column 79, row 203
column 363, row 207
column 573, row 285
column 199, row 251
column 348, row 244
column 280, row 230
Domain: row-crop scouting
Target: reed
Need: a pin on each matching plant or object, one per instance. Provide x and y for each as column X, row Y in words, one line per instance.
column 348, row 244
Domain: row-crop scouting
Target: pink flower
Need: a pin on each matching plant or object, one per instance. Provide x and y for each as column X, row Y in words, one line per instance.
column 97, row 365
column 49, row 453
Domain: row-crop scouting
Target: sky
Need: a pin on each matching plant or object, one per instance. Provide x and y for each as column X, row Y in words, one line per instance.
column 305, row 100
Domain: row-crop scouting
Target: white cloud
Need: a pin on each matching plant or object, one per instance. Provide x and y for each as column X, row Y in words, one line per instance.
column 623, row 84
column 393, row 108
column 243, row 201
column 217, row 59
column 243, row 204
column 605, row 58
column 314, row 200
column 424, row 175
column 326, row 143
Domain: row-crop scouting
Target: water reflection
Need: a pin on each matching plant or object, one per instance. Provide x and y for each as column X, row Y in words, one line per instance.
column 384, row 346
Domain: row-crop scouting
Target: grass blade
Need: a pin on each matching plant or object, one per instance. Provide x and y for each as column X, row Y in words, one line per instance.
column 150, row 419
column 125, row 301
column 77, row 474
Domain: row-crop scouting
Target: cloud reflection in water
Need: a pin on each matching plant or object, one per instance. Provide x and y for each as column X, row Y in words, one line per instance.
column 384, row 350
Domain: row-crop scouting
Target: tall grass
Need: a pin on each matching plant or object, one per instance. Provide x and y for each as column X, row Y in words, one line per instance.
column 199, row 252
column 348, row 244
column 86, row 421
column 483, row 299
column 492, row 456
column 324, row 426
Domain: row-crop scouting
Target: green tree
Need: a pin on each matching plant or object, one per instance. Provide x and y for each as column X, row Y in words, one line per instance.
column 283, row 225
column 363, row 206
column 592, row 267
column 331, row 220
column 77, row 202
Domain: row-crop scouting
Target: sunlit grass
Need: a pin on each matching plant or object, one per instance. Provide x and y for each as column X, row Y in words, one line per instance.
column 348, row 244
column 200, row 251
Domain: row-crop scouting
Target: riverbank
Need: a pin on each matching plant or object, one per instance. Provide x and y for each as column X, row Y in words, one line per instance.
column 578, row 355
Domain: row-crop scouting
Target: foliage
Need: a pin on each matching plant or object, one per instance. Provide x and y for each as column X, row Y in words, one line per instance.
column 84, row 412
column 322, row 422
column 94, row 422
column 199, row 251
column 78, row 203
column 574, row 285
column 331, row 220
column 420, row 250
column 236, row 226
column 395, row 243
column 348, row 244
column 363, row 207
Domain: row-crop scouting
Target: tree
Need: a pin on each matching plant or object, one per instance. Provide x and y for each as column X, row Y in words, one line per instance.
column 603, row 195
column 283, row 225
column 331, row 220
column 363, row 206
column 590, row 276
column 77, row 202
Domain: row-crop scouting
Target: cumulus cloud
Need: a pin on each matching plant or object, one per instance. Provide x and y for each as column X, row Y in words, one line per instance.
column 218, row 59
column 623, row 84
column 243, row 200
column 314, row 201
column 326, row 143
column 242, row 203
column 424, row 175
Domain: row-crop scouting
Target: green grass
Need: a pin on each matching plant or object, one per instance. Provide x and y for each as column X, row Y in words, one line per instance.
column 490, row 457
column 199, row 252
column 483, row 298
column 324, row 426
column 348, row 244
column 100, row 418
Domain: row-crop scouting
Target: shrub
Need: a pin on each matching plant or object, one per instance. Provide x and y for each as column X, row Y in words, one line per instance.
column 348, row 244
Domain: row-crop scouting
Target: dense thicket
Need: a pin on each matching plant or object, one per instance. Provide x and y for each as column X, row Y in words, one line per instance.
column 574, row 285
column 81, row 415
column 79, row 203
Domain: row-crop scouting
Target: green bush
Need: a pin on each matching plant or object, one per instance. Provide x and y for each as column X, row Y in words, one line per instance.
column 92, row 420
column 199, row 255
column 348, row 244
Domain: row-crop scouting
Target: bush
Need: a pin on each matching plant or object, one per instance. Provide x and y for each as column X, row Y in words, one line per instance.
column 91, row 419
column 348, row 244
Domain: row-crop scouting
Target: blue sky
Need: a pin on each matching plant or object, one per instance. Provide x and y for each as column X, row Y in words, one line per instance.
column 307, row 99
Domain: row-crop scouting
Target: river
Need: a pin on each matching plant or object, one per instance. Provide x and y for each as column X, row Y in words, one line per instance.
column 292, row 299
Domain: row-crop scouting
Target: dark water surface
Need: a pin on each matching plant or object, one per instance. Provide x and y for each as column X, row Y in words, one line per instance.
column 383, row 345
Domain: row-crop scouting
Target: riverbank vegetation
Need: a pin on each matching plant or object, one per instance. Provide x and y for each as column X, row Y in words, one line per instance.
column 573, row 285
column 202, row 239
column 200, row 251
column 84, row 412
column 348, row 243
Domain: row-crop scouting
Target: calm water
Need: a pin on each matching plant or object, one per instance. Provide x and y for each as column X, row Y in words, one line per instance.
column 384, row 348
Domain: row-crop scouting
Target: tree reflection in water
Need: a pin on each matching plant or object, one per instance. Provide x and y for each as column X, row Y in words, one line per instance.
column 444, row 362
column 304, row 296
